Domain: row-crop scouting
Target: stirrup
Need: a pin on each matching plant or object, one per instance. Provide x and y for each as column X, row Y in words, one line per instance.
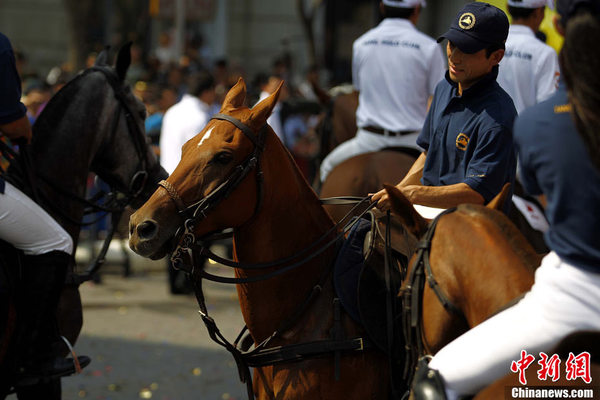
column 76, row 362
column 58, row 368
column 428, row 384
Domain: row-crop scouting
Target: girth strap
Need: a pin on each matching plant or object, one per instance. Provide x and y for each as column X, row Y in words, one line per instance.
column 302, row 351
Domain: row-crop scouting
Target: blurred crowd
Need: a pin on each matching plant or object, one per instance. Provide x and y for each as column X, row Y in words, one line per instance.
column 161, row 79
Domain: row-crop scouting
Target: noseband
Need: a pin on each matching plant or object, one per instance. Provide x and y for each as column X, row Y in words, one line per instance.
column 198, row 211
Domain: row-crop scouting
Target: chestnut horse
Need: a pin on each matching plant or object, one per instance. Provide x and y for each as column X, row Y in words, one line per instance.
column 272, row 220
column 480, row 261
column 94, row 123
column 363, row 174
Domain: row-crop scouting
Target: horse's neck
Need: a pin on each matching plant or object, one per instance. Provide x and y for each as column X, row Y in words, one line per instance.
column 290, row 219
column 62, row 152
column 491, row 250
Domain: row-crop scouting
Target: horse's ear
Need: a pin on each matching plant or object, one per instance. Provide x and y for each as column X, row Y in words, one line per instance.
column 497, row 203
column 403, row 208
column 262, row 110
column 123, row 60
column 102, row 57
column 235, row 97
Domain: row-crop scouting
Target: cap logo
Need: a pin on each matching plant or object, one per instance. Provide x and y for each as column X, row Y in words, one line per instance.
column 466, row 21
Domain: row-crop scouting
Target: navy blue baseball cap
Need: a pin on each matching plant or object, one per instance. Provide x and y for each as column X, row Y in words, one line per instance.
column 477, row 26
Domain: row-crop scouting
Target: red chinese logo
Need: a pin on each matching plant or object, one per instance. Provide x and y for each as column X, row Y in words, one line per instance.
column 549, row 367
column 575, row 367
column 521, row 365
column 579, row 367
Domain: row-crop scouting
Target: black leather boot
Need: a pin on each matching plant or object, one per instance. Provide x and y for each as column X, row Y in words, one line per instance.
column 43, row 277
column 427, row 383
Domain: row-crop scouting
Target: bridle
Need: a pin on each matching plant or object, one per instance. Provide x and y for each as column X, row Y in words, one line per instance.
column 412, row 299
column 195, row 248
column 198, row 211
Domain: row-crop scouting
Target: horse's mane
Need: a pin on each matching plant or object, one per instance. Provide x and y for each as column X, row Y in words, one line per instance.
column 49, row 118
column 509, row 231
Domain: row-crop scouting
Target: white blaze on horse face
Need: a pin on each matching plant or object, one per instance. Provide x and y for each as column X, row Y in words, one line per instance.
column 206, row 136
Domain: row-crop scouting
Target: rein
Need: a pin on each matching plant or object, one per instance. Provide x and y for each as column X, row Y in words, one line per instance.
column 412, row 299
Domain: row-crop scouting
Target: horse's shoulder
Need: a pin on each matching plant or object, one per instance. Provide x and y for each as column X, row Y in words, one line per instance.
column 479, row 215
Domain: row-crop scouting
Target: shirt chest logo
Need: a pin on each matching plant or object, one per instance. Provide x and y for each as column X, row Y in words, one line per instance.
column 466, row 21
column 462, row 141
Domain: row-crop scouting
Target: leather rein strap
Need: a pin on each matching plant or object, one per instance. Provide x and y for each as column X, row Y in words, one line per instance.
column 412, row 299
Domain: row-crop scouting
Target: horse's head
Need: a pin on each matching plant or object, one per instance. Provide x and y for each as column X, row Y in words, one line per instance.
column 219, row 168
column 124, row 159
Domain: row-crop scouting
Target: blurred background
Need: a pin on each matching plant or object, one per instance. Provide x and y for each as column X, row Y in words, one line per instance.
column 244, row 36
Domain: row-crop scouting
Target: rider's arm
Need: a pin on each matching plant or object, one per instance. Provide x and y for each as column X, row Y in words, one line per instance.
column 414, row 175
column 442, row 196
column 20, row 128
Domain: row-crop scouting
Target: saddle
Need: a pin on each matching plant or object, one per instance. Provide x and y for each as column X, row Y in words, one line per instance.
column 360, row 280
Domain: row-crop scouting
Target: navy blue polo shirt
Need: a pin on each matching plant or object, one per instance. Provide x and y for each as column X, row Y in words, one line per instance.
column 11, row 108
column 469, row 138
column 554, row 161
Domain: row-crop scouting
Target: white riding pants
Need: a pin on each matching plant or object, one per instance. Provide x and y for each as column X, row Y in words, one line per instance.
column 28, row 227
column 563, row 299
column 364, row 142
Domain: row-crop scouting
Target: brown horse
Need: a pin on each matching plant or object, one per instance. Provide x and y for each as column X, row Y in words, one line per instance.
column 471, row 247
column 270, row 222
column 364, row 174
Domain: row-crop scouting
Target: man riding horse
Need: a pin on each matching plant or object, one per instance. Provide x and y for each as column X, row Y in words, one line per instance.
column 395, row 69
column 48, row 248
column 467, row 134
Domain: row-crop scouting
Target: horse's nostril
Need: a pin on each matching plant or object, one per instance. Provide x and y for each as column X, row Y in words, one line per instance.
column 147, row 230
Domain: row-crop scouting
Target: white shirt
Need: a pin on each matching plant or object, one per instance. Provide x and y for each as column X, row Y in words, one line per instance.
column 274, row 119
column 181, row 122
column 529, row 71
column 395, row 68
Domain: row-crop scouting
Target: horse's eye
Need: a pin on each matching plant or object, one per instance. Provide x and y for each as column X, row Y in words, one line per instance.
column 223, row 158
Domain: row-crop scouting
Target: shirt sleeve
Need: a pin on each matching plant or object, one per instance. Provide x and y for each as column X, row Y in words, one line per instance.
column 11, row 108
column 547, row 75
column 492, row 161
